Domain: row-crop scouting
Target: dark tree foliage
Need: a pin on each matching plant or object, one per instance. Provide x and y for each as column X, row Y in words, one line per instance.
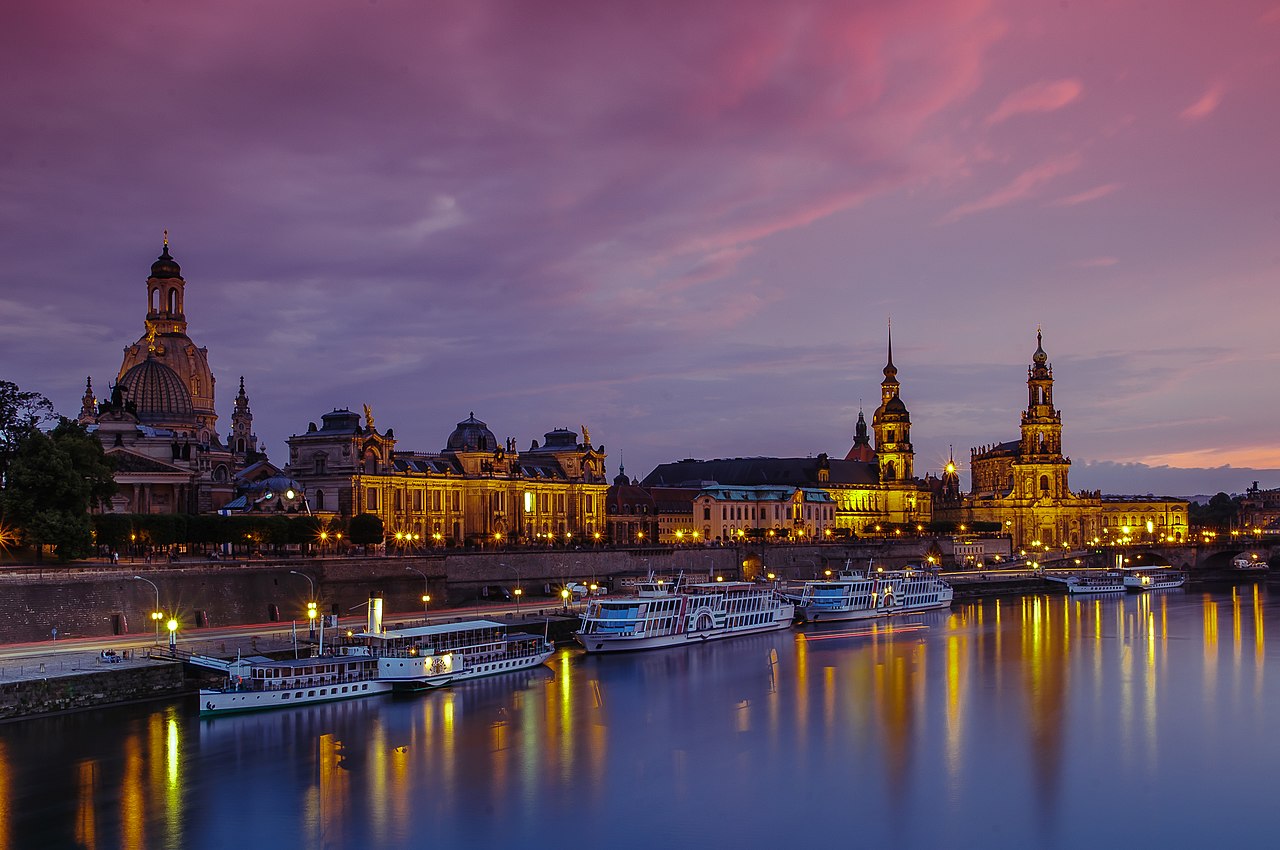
column 47, row 498
column 1220, row 513
column 20, row 413
column 365, row 529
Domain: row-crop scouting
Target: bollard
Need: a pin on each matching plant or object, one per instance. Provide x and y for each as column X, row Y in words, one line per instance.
column 42, row 667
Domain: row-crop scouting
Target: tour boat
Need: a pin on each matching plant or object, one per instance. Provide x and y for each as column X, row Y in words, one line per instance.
column 1158, row 578
column 662, row 614
column 375, row 661
column 853, row 595
column 437, row 655
column 1105, row 582
column 1249, row 564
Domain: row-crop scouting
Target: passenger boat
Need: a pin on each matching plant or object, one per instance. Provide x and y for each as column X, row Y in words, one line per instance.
column 662, row 614
column 374, row 661
column 854, row 595
column 1249, row 564
column 437, row 655
column 1158, row 578
column 254, row 684
column 1105, row 582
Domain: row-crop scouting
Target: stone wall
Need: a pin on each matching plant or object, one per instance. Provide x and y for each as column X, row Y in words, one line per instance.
column 33, row 697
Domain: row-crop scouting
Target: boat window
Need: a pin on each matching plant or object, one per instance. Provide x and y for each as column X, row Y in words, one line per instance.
column 311, row 693
column 284, row 696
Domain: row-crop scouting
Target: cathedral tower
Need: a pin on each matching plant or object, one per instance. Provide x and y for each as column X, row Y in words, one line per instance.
column 1041, row 468
column 242, row 441
column 165, row 342
column 892, row 426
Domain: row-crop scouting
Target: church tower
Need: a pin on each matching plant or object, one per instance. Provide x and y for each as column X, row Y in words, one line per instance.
column 242, row 441
column 165, row 343
column 1041, row 469
column 891, row 424
column 861, row 450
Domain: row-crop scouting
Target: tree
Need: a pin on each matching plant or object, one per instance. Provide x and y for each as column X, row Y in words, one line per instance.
column 88, row 459
column 20, row 413
column 365, row 530
column 47, row 498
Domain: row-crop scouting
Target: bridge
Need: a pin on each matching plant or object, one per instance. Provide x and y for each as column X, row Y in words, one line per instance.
column 1198, row 559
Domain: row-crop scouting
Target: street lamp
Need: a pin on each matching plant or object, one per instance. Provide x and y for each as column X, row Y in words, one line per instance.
column 311, row 603
column 564, row 598
column 173, row 634
column 157, row 615
column 426, row 597
column 518, row 591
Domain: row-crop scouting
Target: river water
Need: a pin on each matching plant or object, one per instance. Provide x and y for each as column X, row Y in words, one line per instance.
column 1120, row 721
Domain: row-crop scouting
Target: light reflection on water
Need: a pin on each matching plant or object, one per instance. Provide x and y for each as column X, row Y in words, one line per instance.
column 997, row 725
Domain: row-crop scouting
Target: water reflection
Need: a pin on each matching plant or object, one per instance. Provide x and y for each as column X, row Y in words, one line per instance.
column 1018, row 708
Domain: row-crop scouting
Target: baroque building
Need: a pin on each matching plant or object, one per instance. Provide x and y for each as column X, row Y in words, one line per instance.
column 1022, row 485
column 477, row 489
column 160, row 422
column 871, row 486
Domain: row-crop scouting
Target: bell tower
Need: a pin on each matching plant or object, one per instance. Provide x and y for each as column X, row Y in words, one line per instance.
column 1041, row 468
column 165, row 292
column 242, row 441
column 891, row 424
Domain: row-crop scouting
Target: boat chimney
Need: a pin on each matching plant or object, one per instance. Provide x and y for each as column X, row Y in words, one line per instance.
column 374, row 625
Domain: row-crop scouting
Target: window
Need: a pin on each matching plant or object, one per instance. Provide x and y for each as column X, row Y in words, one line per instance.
column 319, row 500
column 706, row 514
column 371, row 500
column 320, row 464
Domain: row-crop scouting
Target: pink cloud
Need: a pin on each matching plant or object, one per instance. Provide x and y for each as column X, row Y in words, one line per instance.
column 1037, row 97
column 1205, row 106
column 1020, row 188
column 1087, row 195
column 1096, row 263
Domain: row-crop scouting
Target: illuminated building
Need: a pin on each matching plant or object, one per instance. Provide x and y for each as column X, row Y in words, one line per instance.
column 631, row 512
column 160, row 423
column 1022, row 486
column 475, row 490
column 869, row 487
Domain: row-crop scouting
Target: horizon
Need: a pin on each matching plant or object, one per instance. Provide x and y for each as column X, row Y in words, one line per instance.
column 689, row 238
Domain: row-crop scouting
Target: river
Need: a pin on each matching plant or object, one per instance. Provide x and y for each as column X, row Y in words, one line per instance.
column 1038, row 721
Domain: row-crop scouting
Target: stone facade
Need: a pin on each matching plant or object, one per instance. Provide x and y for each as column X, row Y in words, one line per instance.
column 475, row 490
column 160, row 422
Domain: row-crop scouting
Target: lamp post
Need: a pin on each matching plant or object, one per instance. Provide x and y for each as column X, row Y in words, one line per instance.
column 311, row 604
column 426, row 597
column 518, row 592
column 173, row 634
column 157, row 615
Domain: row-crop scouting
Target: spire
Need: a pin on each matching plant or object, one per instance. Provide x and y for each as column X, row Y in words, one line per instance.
column 890, row 371
column 1040, row 357
column 88, row 404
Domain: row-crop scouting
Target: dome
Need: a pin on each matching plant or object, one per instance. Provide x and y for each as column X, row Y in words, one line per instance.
column 472, row 435
column 895, row 405
column 276, row 485
column 1040, row 358
column 165, row 266
column 157, row 393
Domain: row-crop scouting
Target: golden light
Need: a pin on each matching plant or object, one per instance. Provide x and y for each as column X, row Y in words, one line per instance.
column 594, row 586
column 518, row 591
column 289, row 494
column 772, row 576
column 497, row 535
column 679, row 535
column 827, row 573
column 719, row 578
column 951, row 467
column 597, row 535
column 324, row 535
column 172, row 625
column 564, row 594
column 426, row 597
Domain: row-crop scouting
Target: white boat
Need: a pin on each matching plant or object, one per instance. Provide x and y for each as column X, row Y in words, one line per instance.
column 1249, row 564
column 375, row 662
column 259, row 683
column 1104, row 582
column 664, row 614
column 854, row 595
column 1155, row 578
column 437, row 655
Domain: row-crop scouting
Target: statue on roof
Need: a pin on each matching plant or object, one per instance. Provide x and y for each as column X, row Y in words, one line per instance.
column 368, row 418
column 586, row 436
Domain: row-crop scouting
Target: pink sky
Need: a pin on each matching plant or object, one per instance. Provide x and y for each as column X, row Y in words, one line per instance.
column 684, row 225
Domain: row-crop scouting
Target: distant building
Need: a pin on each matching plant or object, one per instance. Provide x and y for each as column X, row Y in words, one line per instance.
column 1022, row 485
column 631, row 512
column 1260, row 509
column 160, row 422
column 869, row 487
column 474, row 490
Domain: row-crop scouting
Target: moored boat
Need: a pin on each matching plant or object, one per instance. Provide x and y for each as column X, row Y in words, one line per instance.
column 254, row 684
column 437, row 655
column 662, row 614
column 854, row 595
column 1158, row 578
column 1104, row 582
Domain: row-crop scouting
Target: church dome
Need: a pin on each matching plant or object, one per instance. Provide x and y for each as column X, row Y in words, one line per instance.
column 165, row 266
column 895, row 405
column 157, row 393
column 472, row 435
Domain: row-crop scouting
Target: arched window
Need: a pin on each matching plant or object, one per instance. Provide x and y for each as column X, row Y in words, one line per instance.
column 173, row 300
column 890, row 473
column 319, row 500
column 1044, row 482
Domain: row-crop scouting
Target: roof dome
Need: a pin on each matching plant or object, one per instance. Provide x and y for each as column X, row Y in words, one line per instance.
column 165, row 266
column 472, row 435
column 157, row 393
column 895, row 405
column 1040, row 358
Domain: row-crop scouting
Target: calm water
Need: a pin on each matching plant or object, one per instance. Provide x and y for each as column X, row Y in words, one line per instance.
column 1039, row 721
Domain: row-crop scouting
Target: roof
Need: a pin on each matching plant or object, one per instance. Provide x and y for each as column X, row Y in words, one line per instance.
column 795, row 471
column 764, row 493
column 437, row 629
column 127, row 461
